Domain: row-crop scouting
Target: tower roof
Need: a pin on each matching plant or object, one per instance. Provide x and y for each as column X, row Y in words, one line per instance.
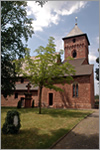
column 75, row 31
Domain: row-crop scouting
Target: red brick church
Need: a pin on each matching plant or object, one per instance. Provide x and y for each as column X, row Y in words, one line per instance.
column 78, row 94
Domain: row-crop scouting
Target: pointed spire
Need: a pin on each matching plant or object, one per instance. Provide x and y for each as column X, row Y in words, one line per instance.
column 75, row 31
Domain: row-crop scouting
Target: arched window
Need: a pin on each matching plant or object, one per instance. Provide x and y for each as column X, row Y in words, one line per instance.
column 75, row 90
column 74, row 54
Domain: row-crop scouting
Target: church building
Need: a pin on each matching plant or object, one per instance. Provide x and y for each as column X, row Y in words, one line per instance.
column 78, row 94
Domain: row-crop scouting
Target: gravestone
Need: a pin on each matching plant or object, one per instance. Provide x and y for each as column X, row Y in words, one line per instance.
column 15, row 122
column 12, row 123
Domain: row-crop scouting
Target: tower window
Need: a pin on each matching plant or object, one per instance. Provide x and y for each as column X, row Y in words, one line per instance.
column 74, row 54
column 74, row 40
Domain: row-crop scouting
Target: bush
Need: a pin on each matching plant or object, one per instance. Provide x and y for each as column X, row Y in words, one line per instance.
column 96, row 96
column 12, row 123
column 97, row 104
column 19, row 104
column 33, row 104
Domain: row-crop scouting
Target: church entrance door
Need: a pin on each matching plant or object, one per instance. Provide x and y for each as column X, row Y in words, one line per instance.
column 50, row 99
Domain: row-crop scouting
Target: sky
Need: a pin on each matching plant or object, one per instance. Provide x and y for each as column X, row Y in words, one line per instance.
column 57, row 18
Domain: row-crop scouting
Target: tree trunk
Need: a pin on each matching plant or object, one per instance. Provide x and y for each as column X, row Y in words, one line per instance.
column 40, row 93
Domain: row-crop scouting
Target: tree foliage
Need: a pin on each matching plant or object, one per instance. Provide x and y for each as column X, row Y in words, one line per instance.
column 97, row 69
column 97, row 96
column 14, row 26
column 41, row 3
column 45, row 70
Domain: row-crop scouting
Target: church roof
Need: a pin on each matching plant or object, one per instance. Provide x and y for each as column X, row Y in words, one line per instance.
column 80, row 67
column 84, row 70
column 22, row 86
column 76, row 62
column 81, row 70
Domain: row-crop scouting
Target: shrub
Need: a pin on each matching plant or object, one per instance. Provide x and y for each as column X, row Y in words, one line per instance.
column 97, row 104
column 19, row 104
column 33, row 104
column 12, row 123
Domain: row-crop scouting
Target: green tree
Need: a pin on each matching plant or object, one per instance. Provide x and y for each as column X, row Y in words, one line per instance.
column 41, row 3
column 96, row 96
column 45, row 70
column 97, row 69
column 15, row 25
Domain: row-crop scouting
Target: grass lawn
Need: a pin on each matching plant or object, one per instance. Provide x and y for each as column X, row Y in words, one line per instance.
column 40, row 131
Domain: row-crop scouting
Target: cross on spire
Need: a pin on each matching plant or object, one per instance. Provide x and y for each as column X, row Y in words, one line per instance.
column 76, row 20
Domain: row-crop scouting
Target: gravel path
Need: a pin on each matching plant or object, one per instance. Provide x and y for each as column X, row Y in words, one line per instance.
column 84, row 136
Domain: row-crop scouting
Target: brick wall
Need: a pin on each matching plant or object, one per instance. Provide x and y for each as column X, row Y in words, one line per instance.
column 12, row 101
column 65, row 99
column 92, row 89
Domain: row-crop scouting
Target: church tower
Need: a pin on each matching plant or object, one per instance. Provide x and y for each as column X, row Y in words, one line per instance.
column 76, row 44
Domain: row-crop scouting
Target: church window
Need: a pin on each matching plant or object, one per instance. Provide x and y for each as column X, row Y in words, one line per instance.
column 16, row 95
column 75, row 90
column 22, row 80
column 74, row 54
